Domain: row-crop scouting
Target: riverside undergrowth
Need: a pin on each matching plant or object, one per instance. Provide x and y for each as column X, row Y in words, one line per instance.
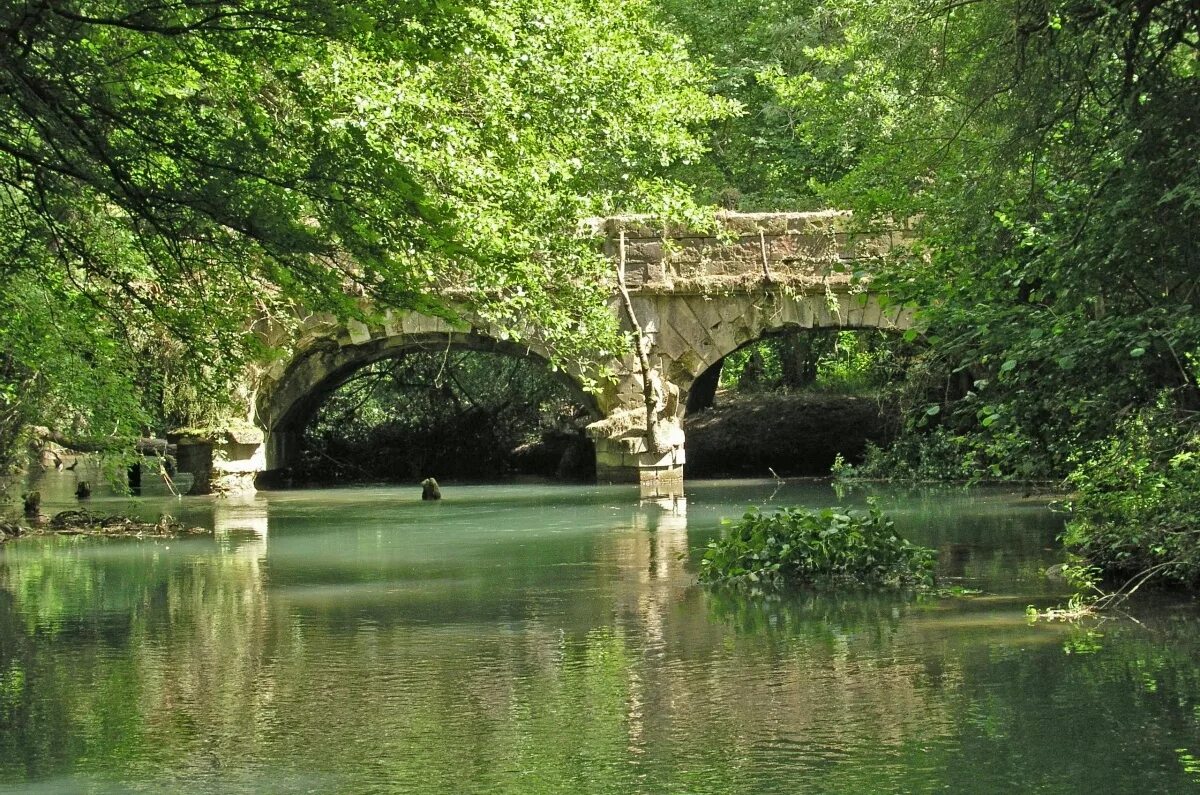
column 1134, row 512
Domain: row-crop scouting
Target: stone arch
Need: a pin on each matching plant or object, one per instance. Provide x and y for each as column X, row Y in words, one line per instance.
column 693, row 333
column 292, row 391
column 702, row 391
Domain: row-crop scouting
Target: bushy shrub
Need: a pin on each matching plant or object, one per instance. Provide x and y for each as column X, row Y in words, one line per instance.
column 936, row 455
column 822, row 547
column 1136, row 505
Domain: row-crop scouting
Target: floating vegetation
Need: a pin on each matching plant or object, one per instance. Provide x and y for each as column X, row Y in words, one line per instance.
column 831, row 546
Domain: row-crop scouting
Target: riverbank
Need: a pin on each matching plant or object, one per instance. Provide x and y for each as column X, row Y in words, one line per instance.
column 798, row 434
column 82, row 522
column 793, row 435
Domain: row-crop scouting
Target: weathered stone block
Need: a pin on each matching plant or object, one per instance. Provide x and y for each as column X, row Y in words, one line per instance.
column 707, row 310
column 635, row 274
column 855, row 310
column 233, row 484
column 797, row 311
column 234, row 457
column 824, row 221
column 811, row 250
column 692, row 363
column 825, row 315
column 245, row 435
column 725, row 340
column 655, row 483
column 657, row 274
column 872, row 316
column 679, row 259
column 607, row 458
column 358, row 331
column 743, row 224
column 423, row 324
column 669, row 342
column 732, row 307
column 644, row 250
column 631, row 445
column 848, row 304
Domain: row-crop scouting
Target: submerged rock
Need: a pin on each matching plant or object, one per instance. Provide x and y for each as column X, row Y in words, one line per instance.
column 32, row 504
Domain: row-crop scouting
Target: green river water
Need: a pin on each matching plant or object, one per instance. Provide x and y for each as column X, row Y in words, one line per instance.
column 531, row 639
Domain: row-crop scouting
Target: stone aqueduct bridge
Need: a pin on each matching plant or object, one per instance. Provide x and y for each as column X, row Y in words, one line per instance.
column 698, row 296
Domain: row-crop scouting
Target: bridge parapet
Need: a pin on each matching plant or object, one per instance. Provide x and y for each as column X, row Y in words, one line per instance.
column 800, row 251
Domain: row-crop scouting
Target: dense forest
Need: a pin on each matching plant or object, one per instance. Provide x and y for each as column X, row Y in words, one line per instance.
column 170, row 169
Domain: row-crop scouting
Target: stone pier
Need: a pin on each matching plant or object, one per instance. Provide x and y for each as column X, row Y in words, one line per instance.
column 222, row 462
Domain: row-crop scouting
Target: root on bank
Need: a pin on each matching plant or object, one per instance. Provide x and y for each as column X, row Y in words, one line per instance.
column 81, row 522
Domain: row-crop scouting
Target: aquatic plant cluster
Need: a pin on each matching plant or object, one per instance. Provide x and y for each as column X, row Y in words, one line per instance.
column 830, row 546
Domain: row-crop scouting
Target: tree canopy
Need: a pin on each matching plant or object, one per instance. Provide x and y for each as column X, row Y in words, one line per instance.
column 1050, row 149
column 1047, row 148
column 1047, row 151
column 172, row 170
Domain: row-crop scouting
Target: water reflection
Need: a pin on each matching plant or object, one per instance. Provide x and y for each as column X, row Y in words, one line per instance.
column 555, row 640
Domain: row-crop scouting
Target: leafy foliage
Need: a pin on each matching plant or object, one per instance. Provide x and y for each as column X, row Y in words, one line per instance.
column 172, row 172
column 935, row 456
column 827, row 546
column 1135, row 511
column 1048, row 148
column 833, row 361
column 776, row 153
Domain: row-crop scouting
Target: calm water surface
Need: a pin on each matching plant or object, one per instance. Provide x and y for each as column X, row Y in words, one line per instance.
column 534, row 639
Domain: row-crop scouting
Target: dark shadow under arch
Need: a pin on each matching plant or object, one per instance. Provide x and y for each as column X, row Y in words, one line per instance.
column 796, row 428
column 286, row 410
